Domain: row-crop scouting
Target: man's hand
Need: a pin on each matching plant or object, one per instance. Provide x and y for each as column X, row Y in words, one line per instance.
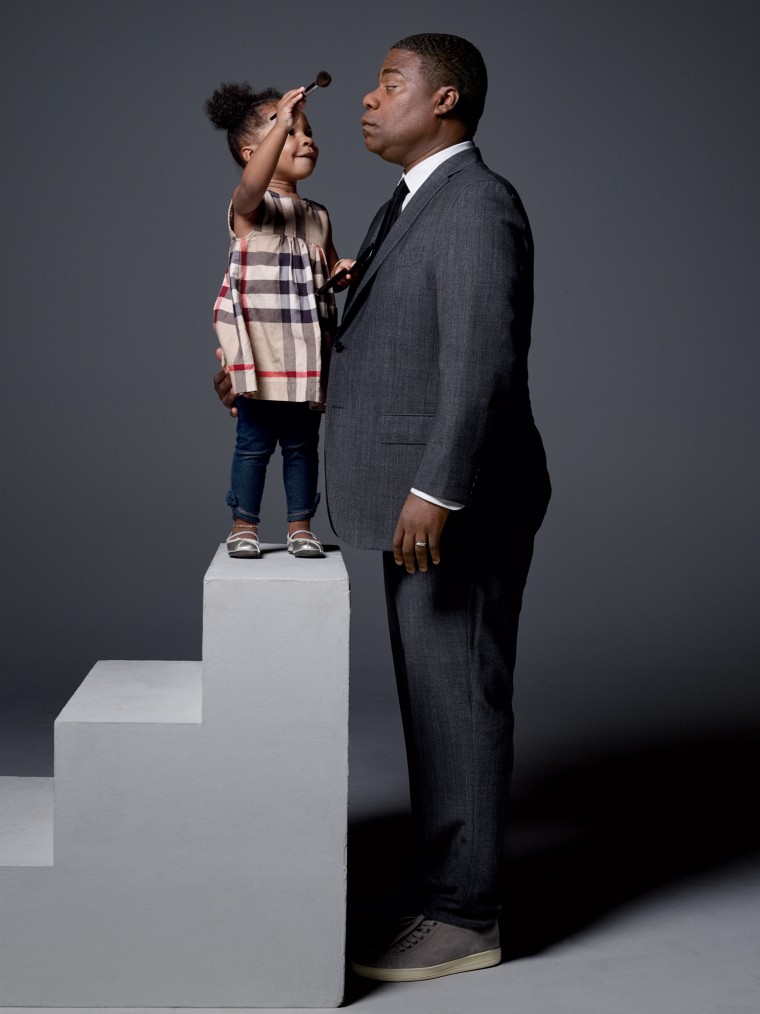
column 223, row 386
column 418, row 533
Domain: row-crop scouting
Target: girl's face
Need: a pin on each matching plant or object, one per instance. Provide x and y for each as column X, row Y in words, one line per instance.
column 299, row 156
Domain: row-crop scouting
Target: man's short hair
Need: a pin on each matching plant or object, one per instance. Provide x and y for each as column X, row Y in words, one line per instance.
column 451, row 60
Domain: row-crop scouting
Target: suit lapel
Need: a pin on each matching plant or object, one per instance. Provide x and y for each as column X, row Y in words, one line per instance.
column 417, row 204
column 368, row 240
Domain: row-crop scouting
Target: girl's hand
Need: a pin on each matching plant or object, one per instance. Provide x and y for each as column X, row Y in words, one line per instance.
column 344, row 264
column 223, row 386
column 288, row 108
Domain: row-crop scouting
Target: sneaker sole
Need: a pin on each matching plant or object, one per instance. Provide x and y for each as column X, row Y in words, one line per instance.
column 485, row 959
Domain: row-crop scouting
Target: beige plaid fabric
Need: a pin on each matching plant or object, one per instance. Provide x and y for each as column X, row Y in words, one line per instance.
column 273, row 329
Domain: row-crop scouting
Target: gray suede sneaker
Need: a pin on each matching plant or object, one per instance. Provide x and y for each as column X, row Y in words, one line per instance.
column 426, row 949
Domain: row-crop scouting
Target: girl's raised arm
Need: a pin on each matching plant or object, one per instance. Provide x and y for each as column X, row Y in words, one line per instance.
column 261, row 161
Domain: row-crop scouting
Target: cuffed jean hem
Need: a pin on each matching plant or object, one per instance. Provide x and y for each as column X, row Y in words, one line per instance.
column 241, row 515
column 241, row 512
column 305, row 515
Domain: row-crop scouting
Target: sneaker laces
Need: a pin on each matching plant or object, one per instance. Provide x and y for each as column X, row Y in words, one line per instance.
column 415, row 930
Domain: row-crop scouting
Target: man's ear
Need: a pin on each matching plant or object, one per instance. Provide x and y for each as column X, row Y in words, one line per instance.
column 447, row 98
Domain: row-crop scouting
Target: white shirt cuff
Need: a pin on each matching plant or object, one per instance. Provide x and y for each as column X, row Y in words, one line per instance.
column 452, row 505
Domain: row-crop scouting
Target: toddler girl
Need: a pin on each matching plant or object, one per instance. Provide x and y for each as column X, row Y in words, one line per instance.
column 275, row 333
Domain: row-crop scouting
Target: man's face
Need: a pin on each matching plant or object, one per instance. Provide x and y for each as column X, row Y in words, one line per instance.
column 400, row 124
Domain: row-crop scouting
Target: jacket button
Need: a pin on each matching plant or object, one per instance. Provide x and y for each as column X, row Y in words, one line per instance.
column 339, row 346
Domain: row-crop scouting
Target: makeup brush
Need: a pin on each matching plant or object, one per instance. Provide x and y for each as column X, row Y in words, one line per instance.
column 322, row 80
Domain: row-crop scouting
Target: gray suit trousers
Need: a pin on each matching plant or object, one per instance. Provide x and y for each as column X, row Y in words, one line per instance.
column 453, row 635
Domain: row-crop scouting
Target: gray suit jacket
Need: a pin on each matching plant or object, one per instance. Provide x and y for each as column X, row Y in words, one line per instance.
column 431, row 388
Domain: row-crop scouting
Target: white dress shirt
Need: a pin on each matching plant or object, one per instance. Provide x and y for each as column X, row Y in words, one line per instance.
column 414, row 180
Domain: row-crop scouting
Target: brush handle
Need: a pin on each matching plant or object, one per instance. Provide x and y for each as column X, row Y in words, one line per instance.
column 323, row 79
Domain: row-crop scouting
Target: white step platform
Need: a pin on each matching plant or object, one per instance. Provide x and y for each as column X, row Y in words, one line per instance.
column 198, row 851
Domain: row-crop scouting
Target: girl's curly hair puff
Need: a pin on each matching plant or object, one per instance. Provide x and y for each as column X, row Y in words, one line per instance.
column 237, row 109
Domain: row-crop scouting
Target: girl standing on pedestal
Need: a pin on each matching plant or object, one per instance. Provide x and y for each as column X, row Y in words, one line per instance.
column 275, row 332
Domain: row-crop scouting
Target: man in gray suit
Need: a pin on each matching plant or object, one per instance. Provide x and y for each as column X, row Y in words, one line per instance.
column 433, row 458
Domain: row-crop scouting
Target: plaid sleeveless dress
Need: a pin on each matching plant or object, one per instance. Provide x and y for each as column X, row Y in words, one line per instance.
column 274, row 331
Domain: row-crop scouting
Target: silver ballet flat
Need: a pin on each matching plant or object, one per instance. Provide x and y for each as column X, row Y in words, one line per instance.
column 303, row 545
column 243, row 542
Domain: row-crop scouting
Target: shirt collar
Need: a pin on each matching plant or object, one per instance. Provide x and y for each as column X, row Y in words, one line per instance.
column 417, row 176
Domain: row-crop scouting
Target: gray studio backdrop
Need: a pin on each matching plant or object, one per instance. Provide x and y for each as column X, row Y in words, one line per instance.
column 630, row 130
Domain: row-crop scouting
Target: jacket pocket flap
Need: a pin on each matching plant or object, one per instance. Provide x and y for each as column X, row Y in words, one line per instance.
column 405, row 429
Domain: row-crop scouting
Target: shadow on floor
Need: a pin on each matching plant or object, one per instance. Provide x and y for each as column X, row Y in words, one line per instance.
column 596, row 833
column 617, row 826
column 593, row 834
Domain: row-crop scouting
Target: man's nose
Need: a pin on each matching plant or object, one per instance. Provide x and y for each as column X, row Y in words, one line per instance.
column 370, row 100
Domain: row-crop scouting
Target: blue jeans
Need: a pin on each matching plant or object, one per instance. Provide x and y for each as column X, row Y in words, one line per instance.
column 260, row 426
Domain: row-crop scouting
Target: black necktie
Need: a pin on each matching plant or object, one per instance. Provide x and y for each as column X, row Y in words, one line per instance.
column 391, row 213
